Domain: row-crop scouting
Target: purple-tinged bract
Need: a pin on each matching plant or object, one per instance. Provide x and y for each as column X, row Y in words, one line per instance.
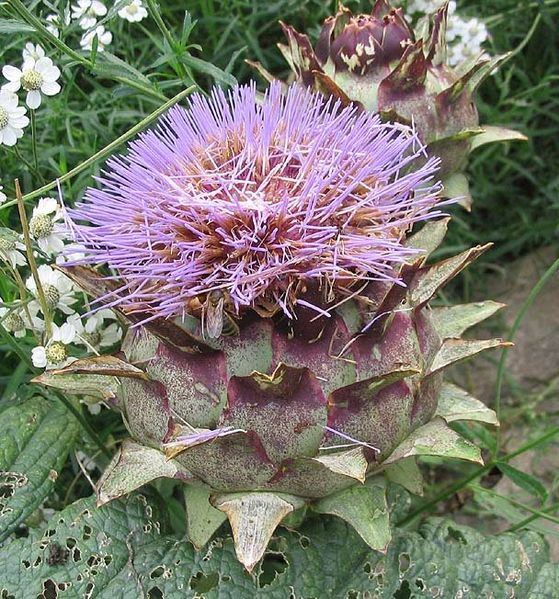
column 377, row 61
column 257, row 200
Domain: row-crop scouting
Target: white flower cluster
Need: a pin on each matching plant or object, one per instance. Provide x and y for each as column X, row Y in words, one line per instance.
column 52, row 292
column 37, row 75
column 88, row 14
column 464, row 36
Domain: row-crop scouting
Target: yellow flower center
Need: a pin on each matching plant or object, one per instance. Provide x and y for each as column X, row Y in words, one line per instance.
column 40, row 226
column 132, row 9
column 56, row 352
column 31, row 80
column 92, row 338
column 14, row 322
column 4, row 118
column 6, row 245
column 52, row 295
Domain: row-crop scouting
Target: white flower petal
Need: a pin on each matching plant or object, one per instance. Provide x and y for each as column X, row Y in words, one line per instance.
column 50, row 88
column 11, row 73
column 9, row 137
column 13, row 86
column 43, row 64
column 33, row 99
column 39, row 357
column 45, row 206
column 51, row 74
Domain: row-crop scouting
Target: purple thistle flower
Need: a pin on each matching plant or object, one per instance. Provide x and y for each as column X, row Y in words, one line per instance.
column 255, row 199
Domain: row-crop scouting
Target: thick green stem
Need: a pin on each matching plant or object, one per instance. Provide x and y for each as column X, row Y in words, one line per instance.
column 31, row 259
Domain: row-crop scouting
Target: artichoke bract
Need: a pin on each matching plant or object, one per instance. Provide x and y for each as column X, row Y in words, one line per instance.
column 282, row 354
column 377, row 61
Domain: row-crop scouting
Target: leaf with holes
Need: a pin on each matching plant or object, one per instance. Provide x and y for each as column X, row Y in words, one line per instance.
column 35, row 438
column 120, row 550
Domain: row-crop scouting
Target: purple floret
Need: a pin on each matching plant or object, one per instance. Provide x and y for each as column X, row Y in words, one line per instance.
column 256, row 198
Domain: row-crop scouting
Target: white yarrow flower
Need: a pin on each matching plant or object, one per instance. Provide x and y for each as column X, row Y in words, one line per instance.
column 32, row 52
column 18, row 320
column 11, row 248
column 54, row 25
column 35, row 77
column 94, row 334
column 104, row 38
column 55, row 353
column 44, row 227
column 87, row 11
column 133, row 12
column 12, row 118
column 72, row 253
column 3, row 196
column 58, row 289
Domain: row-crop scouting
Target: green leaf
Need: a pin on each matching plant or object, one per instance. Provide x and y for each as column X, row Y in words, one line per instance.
column 119, row 550
column 202, row 518
column 14, row 26
column 92, row 385
column 456, row 404
column 365, row 508
column 452, row 321
column 430, row 279
column 457, row 186
column 109, row 65
column 493, row 134
column 492, row 503
column 436, row 439
column 406, row 473
column 429, row 237
column 523, row 480
column 207, row 68
column 456, row 350
column 133, row 466
column 35, row 438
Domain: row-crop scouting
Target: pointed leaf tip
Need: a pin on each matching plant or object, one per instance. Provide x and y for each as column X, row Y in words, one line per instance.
column 492, row 134
column 452, row 321
column 457, row 404
column 435, row 438
column 350, row 463
column 202, row 519
column 428, row 280
column 133, row 466
column 102, row 366
column 253, row 518
column 363, row 507
column 456, row 350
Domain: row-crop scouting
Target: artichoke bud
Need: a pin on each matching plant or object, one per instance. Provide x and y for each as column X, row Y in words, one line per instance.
column 378, row 62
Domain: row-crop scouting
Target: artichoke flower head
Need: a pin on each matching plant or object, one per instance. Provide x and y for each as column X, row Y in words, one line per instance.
column 281, row 355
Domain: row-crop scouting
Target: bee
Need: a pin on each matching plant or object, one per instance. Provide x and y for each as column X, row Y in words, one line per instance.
column 216, row 320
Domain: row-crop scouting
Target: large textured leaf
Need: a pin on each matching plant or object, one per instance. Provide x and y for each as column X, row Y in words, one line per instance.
column 35, row 437
column 119, row 551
